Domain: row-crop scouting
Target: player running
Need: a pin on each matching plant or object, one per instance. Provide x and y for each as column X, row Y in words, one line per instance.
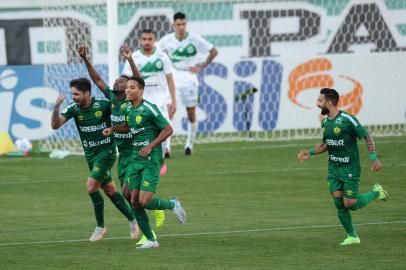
column 149, row 129
column 91, row 116
column 183, row 47
column 340, row 133
column 123, row 140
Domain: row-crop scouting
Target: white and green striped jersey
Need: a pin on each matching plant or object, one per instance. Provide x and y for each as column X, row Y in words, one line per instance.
column 153, row 69
column 183, row 53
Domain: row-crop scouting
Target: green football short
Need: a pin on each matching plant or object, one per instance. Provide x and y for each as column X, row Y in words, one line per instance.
column 100, row 167
column 349, row 186
column 143, row 175
column 123, row 162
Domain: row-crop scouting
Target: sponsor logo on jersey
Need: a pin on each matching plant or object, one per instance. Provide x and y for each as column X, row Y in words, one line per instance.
column 335, row 142
column 138, row 119
column 127, row 135
column 137, row 130
column 340, row 159
column 81, row 117
column 144, row 143
column 337, row 130
column 93, row 128
column 117, row 119
column 339, row 120
column 92, row 144
column 98, row 113
column 96, row 105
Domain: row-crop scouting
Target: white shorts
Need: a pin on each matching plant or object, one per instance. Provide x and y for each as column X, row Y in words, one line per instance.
column 187, row 88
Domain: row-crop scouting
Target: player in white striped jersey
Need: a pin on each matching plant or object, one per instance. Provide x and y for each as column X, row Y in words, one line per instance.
column 183, row 49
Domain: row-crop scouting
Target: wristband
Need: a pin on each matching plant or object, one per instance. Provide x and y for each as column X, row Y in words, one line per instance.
column 373, row 156
column 311, row 152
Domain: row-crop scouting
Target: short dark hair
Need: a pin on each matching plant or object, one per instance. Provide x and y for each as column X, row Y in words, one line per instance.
column 140, row 81
column 82, row 84
column 148, row 31
column 331, row 94
column 124, row 76
column 179, row 16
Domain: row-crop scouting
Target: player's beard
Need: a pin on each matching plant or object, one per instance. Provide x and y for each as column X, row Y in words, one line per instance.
column 324, row 110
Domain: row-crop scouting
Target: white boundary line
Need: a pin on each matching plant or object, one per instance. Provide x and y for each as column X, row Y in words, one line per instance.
column 211, row 233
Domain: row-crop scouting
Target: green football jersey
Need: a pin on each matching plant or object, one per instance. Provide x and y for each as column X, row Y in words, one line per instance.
column 122, row 140
column 340, row 135
column 146, row 122
column 90, row 123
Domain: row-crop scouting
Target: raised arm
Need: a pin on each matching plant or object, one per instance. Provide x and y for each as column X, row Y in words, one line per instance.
column 318, row 149
column 82, row 51
column 57, row 120
column 163, row 135
column 376, row 164
column 128, row 55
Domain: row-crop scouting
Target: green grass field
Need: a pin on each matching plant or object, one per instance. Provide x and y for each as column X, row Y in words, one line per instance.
column 249, row 205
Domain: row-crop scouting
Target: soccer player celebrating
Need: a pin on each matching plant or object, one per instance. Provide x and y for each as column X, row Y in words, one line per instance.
column 123, row 140
column 156, row 70
column 92, row 115
column 183, row 48
column 340, row 133
column 149, row 129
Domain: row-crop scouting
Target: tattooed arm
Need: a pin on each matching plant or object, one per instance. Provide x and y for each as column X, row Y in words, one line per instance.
column 57, row 120
column 376, row 164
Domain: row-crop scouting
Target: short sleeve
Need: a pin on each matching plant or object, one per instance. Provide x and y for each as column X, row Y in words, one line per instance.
column 69, row 111
column 167, row 64
column 358, row 129
column 203, row 46
column 108, row 92
column 157, row 118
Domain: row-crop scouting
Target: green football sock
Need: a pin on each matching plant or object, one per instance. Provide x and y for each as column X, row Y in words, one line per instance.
column 344, row 216
column 159, row 204
column 364, row 199
column 98, row 204
column 143, row 223
column 122, row 205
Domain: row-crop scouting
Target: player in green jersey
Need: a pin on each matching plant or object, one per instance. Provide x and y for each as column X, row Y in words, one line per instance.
column 91, row 116
column 122, row 140
column 149, row 129
column 340, row 133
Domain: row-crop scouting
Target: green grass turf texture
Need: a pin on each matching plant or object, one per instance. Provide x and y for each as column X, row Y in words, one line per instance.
column 250, row 205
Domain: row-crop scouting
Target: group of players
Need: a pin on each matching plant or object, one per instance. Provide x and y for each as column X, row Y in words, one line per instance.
column 135, row 118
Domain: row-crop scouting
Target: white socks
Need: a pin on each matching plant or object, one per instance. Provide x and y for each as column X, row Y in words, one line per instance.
column 191, row 134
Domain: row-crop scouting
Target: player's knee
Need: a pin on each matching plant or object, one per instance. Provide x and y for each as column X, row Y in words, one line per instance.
column 337, row 194
column 135, row 203
column 144, row 201
column 350, row 203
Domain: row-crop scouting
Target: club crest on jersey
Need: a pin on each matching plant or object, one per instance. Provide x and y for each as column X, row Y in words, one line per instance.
column 159, row 64
column 81, row 117
column 337, row 130
column 138, row 119
column 190, row 49
column 98, row 113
